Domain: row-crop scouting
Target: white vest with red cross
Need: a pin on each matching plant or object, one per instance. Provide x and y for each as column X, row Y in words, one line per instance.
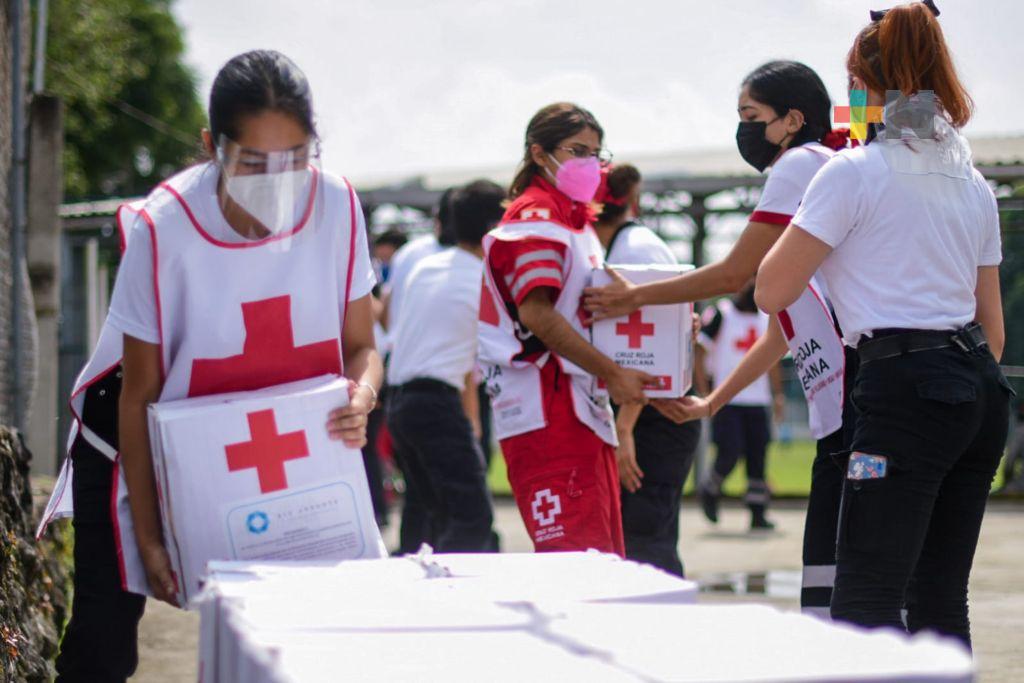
column 817, row 351
column 237, row 316
column 514, row 384
column 738, row 332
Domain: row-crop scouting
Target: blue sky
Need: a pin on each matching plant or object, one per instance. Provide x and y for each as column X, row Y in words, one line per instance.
column 404, row 87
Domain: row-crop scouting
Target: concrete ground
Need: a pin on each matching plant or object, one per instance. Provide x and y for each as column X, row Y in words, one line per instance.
column 169, row 637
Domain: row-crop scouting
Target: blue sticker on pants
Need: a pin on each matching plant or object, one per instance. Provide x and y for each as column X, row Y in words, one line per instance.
column 864, row 466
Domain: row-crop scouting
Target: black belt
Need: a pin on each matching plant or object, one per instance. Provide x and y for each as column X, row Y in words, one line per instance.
column 427, row 385
column 890, row 343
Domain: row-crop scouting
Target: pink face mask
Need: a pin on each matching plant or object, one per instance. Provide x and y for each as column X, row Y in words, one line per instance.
column 578, row 179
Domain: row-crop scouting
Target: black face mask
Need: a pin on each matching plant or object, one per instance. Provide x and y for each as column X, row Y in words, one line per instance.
column 754, row 147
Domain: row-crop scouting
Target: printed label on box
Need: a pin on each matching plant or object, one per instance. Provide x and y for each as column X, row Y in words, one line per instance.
column 320, row 522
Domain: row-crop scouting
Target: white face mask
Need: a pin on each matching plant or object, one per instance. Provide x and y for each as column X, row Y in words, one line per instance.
column 274, row 199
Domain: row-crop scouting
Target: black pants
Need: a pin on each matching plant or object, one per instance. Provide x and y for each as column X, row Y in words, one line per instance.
column 741, row 431
column 822, row 522
column 940, row 418
column 100, row 642
column 371, row 462
column 650, row 516
column 443, row 464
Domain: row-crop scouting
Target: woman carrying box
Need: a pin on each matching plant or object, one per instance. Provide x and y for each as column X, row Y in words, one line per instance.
column 557, row 437
column 785, row 124
column 243, row 272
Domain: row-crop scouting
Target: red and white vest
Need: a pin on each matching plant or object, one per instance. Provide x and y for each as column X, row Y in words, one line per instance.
column 818, row 353
column 232, row 316
column 515, row 385
column 737, row 333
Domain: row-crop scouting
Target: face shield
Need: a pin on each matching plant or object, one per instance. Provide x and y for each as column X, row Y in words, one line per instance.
column 270, row 195
column 917, row 139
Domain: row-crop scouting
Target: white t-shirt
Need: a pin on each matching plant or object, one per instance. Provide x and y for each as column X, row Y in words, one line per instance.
column 436, row 334
column 906, row 246
column 132, row 304
column 402, row 264
column 638, row 244
column 787, row 181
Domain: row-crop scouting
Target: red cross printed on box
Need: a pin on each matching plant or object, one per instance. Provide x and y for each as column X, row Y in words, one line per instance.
column 269, row 354
column 747, row 343
column 545, row 507
column 267, row 452
column 635, row 328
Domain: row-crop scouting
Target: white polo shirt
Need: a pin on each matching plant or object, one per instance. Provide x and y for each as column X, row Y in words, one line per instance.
column 402, row 264
column 906, row 245
column 436, row 332
column 638, row 244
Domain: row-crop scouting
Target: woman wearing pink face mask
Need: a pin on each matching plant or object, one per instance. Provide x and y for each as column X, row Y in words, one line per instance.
column 557, row 437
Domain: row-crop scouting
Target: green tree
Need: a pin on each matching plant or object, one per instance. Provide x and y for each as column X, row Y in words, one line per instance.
column 132, row 111
column 1011, row 276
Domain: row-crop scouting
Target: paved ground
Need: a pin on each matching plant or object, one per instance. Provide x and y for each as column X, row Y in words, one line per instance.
column 169, row 637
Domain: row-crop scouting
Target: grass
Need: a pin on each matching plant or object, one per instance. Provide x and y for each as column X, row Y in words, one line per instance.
column 789, row 471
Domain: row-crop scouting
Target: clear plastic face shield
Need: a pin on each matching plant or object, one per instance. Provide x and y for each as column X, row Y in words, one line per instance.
column 270, row 194
column 918, row 140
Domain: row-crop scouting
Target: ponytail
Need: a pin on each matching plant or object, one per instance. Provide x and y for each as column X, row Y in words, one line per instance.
column 905, row 50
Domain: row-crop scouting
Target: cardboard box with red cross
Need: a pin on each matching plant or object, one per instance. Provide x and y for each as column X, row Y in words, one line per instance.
column 657, row 340
column 253, row 475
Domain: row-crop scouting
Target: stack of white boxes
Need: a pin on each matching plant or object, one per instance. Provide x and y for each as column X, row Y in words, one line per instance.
column 254, row 476
column 657, row 340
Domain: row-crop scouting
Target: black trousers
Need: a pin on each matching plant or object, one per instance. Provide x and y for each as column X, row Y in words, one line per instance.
column 443, row 464
column 100, row 642
column 822, row 521
column 650, row 516
column 371, row 462
column 741, row 431
column 940, row 417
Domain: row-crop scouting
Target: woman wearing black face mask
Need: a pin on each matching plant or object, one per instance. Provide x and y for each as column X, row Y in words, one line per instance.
column 785, row 123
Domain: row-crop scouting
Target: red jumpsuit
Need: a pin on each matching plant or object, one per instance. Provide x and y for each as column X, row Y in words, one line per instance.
column 564, row 476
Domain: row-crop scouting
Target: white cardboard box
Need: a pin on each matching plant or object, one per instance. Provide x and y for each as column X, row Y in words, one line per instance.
column 657, row 340
column 254, row 476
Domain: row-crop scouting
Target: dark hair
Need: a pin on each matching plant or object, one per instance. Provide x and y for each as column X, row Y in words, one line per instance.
column 254, row 82
column 475, row 209
column 621, row 181
column 443, row 215
column 394, row 238
column 785, row 85
column 547, row 128
column 907, row 51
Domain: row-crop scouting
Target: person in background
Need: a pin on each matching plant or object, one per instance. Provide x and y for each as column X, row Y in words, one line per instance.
column 741, row 429
column 432, row 365
column 411, row 253
column 557, row 437
column 414, row 528
column 384, row 249
column 785, row 127
column 906, row 233
column 654, row 454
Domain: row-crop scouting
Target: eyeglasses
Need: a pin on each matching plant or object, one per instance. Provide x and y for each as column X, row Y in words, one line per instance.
column 582, row 152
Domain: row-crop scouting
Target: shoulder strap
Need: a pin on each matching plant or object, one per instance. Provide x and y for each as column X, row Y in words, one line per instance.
column 615, row 236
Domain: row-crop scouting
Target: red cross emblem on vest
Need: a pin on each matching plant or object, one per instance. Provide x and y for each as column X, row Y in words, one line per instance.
column 269, row 355
column 267, row 451
column 635, row 328
column 747, row 343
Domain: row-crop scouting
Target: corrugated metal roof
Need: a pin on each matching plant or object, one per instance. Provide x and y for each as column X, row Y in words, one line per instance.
column 704, row 164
